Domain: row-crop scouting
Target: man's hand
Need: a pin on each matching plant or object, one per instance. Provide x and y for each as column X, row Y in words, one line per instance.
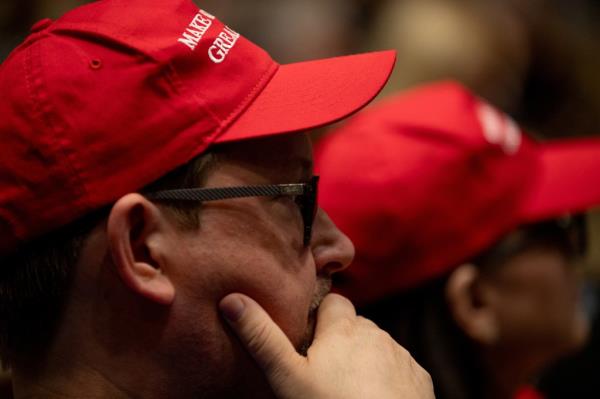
column 350, row 356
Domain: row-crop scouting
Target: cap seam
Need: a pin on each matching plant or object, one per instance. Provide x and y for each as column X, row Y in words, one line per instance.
column 176, row 82
column 262, row 83
column 125, row 41
column 26, row 64
column 121, row 39
column 245, row 103
column 44, row 111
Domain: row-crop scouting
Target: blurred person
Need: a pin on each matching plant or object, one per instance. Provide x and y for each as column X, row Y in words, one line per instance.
column 576, row 376
column 483, row 44
column 159, row 220
column 467, row 233
column 561, row 93
column 533, row 59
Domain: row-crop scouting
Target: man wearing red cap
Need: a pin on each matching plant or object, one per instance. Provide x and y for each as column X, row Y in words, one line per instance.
column 466, row 233
column 148, row 191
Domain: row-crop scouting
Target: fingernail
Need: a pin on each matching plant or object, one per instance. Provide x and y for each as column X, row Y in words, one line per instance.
column 232, row 308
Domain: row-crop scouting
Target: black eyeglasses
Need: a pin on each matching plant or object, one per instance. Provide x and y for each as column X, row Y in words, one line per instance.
column 305, row 197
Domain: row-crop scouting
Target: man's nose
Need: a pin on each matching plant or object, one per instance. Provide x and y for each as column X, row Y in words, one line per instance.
column 332, row 250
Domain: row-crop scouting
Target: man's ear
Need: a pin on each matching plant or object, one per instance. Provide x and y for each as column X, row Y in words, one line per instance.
column 469, row 305
column 137, row 239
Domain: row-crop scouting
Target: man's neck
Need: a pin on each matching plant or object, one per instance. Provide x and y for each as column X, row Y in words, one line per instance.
column 76, row 382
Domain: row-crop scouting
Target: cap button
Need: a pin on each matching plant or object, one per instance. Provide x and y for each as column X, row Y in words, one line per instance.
column 41, row 25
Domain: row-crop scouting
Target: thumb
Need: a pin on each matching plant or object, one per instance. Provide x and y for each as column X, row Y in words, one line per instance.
column 264, row 340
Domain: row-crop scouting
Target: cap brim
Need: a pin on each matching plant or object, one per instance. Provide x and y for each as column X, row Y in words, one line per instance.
column 310, row 94
column 568, row 180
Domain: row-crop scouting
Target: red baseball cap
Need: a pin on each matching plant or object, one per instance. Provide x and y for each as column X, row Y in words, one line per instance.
column 117, row 93
column 430, row 178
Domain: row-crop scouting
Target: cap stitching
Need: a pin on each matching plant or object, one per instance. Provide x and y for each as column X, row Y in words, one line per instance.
column 177, row 83
column 16, row 228
column 209, row 138
column 44, row 115
column 251, row 96
column 125, row 41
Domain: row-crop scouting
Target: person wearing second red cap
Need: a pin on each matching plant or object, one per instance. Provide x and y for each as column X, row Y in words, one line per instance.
column 466, row 232
column 159, row 221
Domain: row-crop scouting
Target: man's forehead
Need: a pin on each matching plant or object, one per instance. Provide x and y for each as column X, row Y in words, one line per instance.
column 302, row 167
column 285, row 148
column 287, row 155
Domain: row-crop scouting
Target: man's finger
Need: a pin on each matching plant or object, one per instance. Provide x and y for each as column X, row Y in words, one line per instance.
column 333, row 308
column 264, row 340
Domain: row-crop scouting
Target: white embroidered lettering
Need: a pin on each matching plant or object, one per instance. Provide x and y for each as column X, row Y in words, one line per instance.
column 189, row 40
column 207, row 15
column 222, row 45
column 498, row 128
column 216, row 54
column 196, row 29
column 200, row 23
column 513, row 137
column 491, row 123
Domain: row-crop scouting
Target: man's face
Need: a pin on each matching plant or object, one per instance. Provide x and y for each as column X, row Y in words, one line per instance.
column 253, row 246
column 537, row 298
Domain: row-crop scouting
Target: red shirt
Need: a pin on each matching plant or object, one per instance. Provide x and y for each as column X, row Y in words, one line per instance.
column 528, row 392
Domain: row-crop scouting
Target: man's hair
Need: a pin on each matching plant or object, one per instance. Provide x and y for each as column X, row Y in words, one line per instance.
column 35, row 280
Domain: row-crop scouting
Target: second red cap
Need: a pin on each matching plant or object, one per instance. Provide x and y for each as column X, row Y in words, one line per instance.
column 429, row 178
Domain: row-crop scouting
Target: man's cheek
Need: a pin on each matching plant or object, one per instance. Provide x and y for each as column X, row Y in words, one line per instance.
column 294, row 322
